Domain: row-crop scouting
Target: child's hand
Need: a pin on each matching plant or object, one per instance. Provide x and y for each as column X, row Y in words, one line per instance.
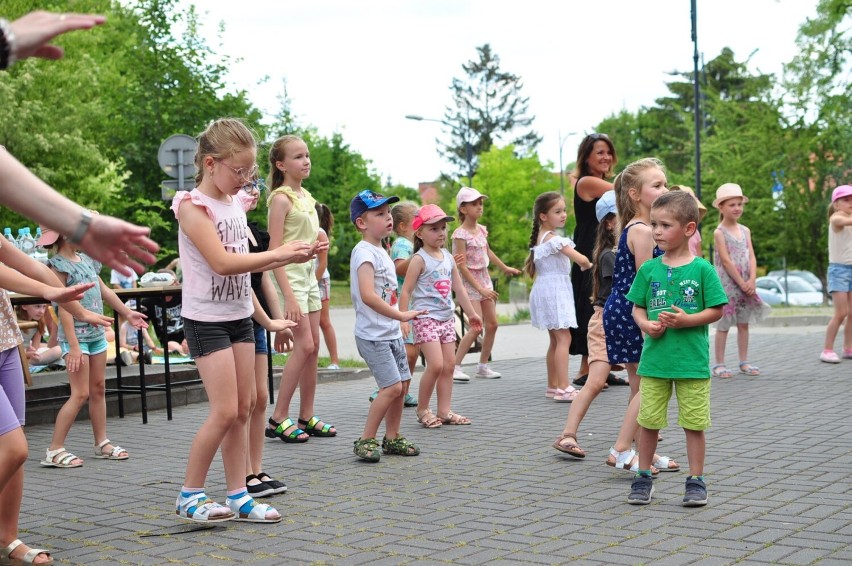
column 280, row 324
column 511, row 271
column 319, row 247
column 95, row 319
column 65, row 294
column 137, row 320
column 586, row 266
column 296, row 251
column 676, row 319
column 405, row 316
column 292, row 311
column 74, row 359
column 654, row 329
column 405, row 328
column 283, row 341
column 475, row 322
column 490, row 295
column 460, row 259
column 748, row 288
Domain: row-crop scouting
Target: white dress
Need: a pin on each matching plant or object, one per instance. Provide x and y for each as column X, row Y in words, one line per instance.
column 552, row 298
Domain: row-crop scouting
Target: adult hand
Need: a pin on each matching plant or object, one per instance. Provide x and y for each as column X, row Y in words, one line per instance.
column 34, row 31
column 119, row 244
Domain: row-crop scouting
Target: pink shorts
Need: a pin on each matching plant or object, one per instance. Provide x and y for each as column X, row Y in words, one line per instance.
column 431, row 330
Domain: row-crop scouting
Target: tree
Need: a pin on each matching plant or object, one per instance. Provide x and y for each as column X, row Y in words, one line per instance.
column 487, row 108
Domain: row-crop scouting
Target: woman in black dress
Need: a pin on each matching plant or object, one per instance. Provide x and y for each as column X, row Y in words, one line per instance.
column 596, row 159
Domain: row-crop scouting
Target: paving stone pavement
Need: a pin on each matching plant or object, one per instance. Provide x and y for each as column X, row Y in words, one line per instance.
column 778, row 461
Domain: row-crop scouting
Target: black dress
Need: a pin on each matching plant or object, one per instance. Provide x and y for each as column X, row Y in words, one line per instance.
column 581, row 281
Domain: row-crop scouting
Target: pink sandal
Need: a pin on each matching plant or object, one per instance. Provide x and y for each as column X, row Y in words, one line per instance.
column 565, row 395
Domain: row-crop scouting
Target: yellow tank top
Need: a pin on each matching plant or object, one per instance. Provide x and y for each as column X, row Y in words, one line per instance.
column 301, row 222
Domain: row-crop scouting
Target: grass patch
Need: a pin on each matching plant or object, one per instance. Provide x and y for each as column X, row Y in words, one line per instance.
column 279, row 360
column 521, row 315
column 783, row 310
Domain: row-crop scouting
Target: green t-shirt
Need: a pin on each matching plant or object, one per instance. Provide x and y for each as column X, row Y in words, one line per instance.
column 679, row 352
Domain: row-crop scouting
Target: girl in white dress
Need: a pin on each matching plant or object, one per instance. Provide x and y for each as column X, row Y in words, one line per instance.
column 552, row 298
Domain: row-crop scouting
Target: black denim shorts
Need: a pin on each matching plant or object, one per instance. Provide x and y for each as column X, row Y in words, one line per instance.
column 207, row 337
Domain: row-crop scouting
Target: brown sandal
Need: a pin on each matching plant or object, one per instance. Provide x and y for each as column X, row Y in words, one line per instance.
column 428, row 419
column 570, row 448
column 454, row 419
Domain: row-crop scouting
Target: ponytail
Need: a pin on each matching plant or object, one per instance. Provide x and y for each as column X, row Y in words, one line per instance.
column 529, row 264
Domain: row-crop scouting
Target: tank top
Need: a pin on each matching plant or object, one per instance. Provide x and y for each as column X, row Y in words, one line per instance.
column 434, row 289
column 587, row 223
column 840, row 245
column 208, row 296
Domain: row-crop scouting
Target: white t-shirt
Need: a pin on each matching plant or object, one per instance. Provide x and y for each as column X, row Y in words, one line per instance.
column 370, row 325
column 124, row 281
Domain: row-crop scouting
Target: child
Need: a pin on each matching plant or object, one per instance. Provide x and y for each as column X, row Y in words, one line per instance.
column 217, row 309
column 695, row 240
column 128, row 342
column 736, row 266
column 39, row 356
column 292, row 217
column 84, row 349
column 552, row 298
column 636, row 187
column 675, row 296
column 401, row 252
column 599, row 366
column 326, row 222
column 168, row 322
column 377, row 330
column 267, row 317
column 471, row 239
column 839, row 272
column 432, row 275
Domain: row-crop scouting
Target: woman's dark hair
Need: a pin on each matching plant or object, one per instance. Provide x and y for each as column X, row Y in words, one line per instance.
column 543, row 203
column 604, row 240
column 585, row 150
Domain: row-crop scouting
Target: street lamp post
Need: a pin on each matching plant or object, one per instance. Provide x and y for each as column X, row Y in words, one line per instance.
column 468, row 148
column 561, row 169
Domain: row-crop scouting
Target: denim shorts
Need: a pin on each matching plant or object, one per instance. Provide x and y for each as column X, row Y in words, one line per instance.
column 386, row 359
column 207, row 337
column 260, row 345
column 89, row 348
column 839, row 278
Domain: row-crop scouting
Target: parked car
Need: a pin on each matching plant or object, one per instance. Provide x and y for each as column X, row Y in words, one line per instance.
column 799, row 291
column 806, row 275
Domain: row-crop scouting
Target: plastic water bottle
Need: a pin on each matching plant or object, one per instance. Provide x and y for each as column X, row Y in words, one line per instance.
column 26, row 241
column 7, row 232
column 40, row 253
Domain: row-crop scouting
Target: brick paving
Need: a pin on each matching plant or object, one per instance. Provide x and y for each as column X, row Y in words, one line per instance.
column 778, row 462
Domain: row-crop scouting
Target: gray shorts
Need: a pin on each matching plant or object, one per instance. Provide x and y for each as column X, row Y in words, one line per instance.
column 386, row 359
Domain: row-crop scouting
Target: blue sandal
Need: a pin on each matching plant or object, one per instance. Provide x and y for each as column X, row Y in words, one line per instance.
column 312, row 429
column 277, row 431
column 749, row 369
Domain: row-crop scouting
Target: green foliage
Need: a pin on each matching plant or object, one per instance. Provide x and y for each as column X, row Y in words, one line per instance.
column 512, row 184
column 487, row 108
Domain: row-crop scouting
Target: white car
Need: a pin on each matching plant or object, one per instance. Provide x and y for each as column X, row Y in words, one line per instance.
column 806, row 275
column 799, row 292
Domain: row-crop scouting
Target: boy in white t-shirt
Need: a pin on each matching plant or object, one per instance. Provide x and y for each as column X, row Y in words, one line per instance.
column 377, row 334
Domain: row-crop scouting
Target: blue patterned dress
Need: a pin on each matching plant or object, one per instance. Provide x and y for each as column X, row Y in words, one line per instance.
column 623, row 337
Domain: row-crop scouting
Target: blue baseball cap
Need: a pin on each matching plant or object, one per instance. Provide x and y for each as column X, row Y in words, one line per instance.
column 605, row 205
column 367, row 200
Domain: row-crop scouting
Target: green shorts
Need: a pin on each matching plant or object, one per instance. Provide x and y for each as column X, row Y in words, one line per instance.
column 303, row 281
column 693, row 402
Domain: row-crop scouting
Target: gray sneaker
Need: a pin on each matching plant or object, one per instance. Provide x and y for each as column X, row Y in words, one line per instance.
column 695, row 494
column 641, row 491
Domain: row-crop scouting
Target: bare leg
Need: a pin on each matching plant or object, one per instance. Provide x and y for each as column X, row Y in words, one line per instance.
column 303, row 352
column 841, row 314
column 328, row 333
column 720, row 340
column 598, row 372
column 79, row 382
column 386, row 406
column 97, row 399
column 742, row 341
column 489, row 321
column 695, row 450
column 470, row 336
column 241, row 363
column 552, row 381
column 308, row 379
column 584, row 367
column 434, row 365
column 444, row 385
column 412, row 352
column 257, row 418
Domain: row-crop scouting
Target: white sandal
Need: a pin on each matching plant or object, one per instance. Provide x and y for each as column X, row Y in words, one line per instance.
column 28, row 558
column 627, row 460
column 64, row 462
column 256, row 511
column 114, row 454
column 199, row 508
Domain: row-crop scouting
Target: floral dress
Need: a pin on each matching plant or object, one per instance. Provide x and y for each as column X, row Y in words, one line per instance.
column 623, row 337
column 476, row 259
column 741, row 309
column 552, row 298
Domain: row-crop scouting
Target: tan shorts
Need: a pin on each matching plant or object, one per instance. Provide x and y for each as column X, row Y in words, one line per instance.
column 597, row 338
column 303, row 281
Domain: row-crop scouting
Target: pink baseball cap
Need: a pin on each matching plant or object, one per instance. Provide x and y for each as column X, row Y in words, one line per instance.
column 429, row 214
column 48, row 237
column 840, row 192
column 468, row 194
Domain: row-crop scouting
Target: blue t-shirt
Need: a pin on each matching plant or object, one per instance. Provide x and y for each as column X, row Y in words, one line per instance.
column 83, row 271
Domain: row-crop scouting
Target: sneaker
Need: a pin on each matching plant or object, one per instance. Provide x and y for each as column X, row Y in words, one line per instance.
column 261, row 489
column 332, row 366
column 829, row 357
column 367, row 449
column 485, row 372
column 127, row 358
column 847, row 354
column 410, row 400
column 459, row 375
column 695, row 494
column 641, row 491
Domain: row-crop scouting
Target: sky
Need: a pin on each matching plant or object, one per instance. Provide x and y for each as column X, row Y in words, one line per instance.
column 360, row 66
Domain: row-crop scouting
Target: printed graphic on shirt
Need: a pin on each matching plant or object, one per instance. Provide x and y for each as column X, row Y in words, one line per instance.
column 443, row 287
column 666, row 294
column 233, row 232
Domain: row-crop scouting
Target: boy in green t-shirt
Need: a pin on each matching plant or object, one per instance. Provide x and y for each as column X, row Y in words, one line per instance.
column 675, row 297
